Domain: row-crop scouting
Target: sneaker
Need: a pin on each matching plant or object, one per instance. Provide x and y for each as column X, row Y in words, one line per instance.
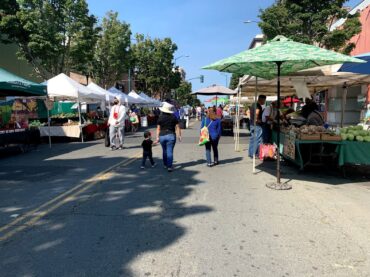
column 120, row 147
column 113, row 148
column 154, row 165
column 216, row 163
column 209, row 165
column 170, row 169
column 142, row 167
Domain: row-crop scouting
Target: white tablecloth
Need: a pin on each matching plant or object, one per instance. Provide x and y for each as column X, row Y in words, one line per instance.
column 72, row 131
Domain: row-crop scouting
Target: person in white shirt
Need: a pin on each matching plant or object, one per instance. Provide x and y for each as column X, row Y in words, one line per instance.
column 116, row 123
column 199, row 112
column 267, row 121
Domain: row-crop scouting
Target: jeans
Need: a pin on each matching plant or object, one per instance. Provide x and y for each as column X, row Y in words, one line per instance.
column 168, row 144
column 255, row 143
column 212, row 144
column 266, row 133
column 146, row 155
column 113, row 130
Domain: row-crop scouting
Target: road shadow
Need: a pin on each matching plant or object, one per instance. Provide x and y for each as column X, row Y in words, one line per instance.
column 327, row 175
column 43, row 151
column 204, row 162
column 103, row 231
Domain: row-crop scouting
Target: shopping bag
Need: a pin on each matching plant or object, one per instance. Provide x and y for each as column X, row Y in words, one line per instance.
column 204, row 136
column 267, row 152
column 107, row 139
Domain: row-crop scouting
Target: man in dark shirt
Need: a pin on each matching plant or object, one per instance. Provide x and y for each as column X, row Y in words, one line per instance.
column 256, row 131
column 147, row 149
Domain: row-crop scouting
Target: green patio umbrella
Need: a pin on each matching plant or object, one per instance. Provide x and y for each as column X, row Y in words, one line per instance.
column 13, row 85
column 280, row 56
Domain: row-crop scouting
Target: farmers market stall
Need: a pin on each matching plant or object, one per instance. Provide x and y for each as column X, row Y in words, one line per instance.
column 72, row 131
column 15, row 114
column 313, row 145
column 62, row 87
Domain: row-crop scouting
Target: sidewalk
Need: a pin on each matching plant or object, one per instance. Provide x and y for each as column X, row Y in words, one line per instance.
column 195, row 221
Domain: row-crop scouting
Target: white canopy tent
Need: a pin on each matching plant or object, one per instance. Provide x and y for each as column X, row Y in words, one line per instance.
column 152, row 102
column 99, row 90
column 62, row 87
column 141, row 100
column 116, row 93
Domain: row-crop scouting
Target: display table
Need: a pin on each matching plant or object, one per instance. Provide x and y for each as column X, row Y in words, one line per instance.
column 72, row 131
column 19, row 136
column 308, row 145
column 354, row 153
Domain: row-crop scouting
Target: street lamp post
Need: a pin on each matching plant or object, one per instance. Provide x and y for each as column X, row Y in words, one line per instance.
column 129, row 67
column 226, row 79
column 182, row 56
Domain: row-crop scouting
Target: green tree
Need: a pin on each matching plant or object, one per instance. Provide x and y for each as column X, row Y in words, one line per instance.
column 54, row 36
column 153, row 66
column 310, row 21
column 184, row 96
column 235, row 80
column 112, row 53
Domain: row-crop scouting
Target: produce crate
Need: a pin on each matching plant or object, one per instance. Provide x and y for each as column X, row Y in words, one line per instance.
column 309, row 137
column 330, row 137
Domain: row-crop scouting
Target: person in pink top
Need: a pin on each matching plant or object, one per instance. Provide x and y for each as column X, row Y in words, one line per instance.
column 219, row 112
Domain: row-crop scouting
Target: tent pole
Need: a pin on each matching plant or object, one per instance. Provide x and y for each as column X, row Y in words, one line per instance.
column 278, row 185
column 80, row 120
column 254, row 126
column 344, row 100
column 239, row 103
column 49, row 127
column 237, row 123
column 278, row 181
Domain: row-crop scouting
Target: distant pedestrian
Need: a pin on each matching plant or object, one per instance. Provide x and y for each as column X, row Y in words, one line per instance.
column 199, row 112
column 256, row 130
column 214, row 128
column 134, row 119
column 116, row 123
column 219, row 111
column 147, row 149
column 167, row 127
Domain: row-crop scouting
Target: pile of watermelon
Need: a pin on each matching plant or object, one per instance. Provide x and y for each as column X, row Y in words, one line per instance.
column 355, row 133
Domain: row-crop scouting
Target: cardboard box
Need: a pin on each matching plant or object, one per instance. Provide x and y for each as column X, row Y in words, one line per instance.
column 309, row 137
column 330, row 137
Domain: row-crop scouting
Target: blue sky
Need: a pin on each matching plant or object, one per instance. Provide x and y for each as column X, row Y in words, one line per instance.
column 206, row 30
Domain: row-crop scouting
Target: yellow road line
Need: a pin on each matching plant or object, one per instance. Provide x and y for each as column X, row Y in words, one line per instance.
column 68, row 194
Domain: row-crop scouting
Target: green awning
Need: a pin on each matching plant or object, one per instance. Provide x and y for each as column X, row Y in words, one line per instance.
column 13, row 85
column 294, row 56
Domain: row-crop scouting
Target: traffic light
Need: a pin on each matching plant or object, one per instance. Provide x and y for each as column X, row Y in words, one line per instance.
column 201, row 78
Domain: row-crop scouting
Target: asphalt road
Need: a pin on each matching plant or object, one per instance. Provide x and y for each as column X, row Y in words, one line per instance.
column 72, row 212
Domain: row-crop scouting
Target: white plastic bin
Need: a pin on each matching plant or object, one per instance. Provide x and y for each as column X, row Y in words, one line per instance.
column 144, row 121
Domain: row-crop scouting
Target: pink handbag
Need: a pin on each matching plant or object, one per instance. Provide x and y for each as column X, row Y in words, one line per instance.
column 267, row 152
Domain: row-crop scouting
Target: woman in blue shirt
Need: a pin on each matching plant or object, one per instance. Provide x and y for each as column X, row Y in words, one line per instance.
column 214, row 128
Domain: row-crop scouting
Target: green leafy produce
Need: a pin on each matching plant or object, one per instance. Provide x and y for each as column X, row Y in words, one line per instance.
column 363, row 133
column 350, row 137
column 343, row 130
column 359, row 138
column 35, row 123
column 367, row 138
column 344, row 136
column 359, row 128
